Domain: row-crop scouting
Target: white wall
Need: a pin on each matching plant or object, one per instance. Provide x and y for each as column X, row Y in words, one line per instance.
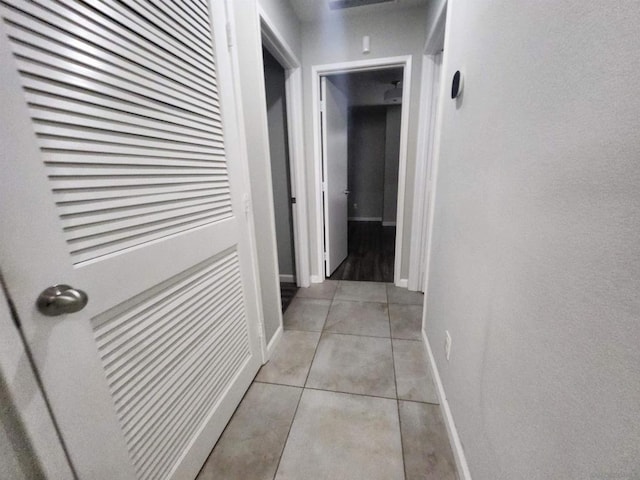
column 367, row 126
column 391, row 159
column 392, row 34
column 274, row 77
column 535, row 264
column 252, row 91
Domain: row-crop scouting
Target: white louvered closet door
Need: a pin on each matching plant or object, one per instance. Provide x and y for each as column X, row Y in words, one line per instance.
column 121, row 177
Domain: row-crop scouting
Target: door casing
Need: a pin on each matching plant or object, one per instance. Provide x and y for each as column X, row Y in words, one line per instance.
column 275, row 42
column 318, row 71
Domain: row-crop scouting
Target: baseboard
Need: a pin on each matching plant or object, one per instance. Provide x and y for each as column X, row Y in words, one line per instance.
column 389, row 224
column 454, row 438
column 287, row 278
column 316, row 279
column 365, row 219
column 403, row 283
column 275, row 340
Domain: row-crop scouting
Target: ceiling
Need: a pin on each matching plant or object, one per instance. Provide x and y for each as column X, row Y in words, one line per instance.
column 314, row 10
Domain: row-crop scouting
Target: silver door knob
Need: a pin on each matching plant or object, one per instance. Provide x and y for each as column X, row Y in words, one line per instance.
column 61, row 299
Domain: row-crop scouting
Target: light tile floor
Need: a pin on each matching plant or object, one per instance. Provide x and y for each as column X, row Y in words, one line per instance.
column 348, row 395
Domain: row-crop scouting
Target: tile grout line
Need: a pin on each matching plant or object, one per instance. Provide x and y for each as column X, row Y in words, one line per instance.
column 395, row 381
column 293, row 419
column 344, row 392
column 286, row 440
column 350, row 334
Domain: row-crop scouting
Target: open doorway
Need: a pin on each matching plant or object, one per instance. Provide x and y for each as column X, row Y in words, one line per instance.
column 361, row 131
column 283, row 199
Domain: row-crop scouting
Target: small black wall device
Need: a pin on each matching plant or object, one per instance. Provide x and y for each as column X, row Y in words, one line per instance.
column 456, row 84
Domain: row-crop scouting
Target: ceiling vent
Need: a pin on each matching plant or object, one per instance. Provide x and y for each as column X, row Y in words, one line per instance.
column 342, row 4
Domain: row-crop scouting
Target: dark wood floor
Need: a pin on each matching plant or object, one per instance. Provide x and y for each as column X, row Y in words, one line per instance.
column 287, row 292
column 371, row 253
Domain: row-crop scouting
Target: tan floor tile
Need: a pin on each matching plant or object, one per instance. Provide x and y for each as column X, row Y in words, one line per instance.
column 291, row 360
column 362, row 291
column 358, row 318
column 339, row 436
column 413, row 376
column 406, row 321
column 427, row 451
column 251, row 445
column 353, row 364
column 306, row 314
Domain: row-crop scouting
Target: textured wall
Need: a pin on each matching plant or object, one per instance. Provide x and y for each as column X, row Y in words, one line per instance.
column 366, row 161
column 535, row 264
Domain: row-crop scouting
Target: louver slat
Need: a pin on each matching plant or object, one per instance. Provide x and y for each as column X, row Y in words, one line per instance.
column 125, row 106
column 170, row 357
column 88, row 25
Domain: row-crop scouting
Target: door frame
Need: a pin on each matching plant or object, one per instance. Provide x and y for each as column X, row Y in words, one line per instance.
column 318, row 71
column 276, row 44
column 428, row 126
column 431, row 94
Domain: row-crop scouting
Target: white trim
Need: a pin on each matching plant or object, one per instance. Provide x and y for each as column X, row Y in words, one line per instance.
column 275, row 42
column 273, row 344
column 365, row 219
column 454, row 438
column 389, row 224
column 420, row 180
column 244, row 160
column 427, row 132
column 434, row 164
column 318, row 71
column 317, row 279
column 438, row 97
column 287, row 278
column 402, row 283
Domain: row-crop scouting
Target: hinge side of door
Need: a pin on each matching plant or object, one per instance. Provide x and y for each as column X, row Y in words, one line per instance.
column 229, row 35
column 246, row 204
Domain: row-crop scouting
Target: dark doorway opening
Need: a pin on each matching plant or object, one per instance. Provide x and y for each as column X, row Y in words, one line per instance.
column 274, row 79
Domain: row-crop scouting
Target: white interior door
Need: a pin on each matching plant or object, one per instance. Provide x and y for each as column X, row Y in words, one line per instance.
column 120, row 179
column 335, row 189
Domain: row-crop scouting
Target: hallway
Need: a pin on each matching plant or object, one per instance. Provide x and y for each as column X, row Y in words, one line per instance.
column 347, row 395
column 371, row 253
